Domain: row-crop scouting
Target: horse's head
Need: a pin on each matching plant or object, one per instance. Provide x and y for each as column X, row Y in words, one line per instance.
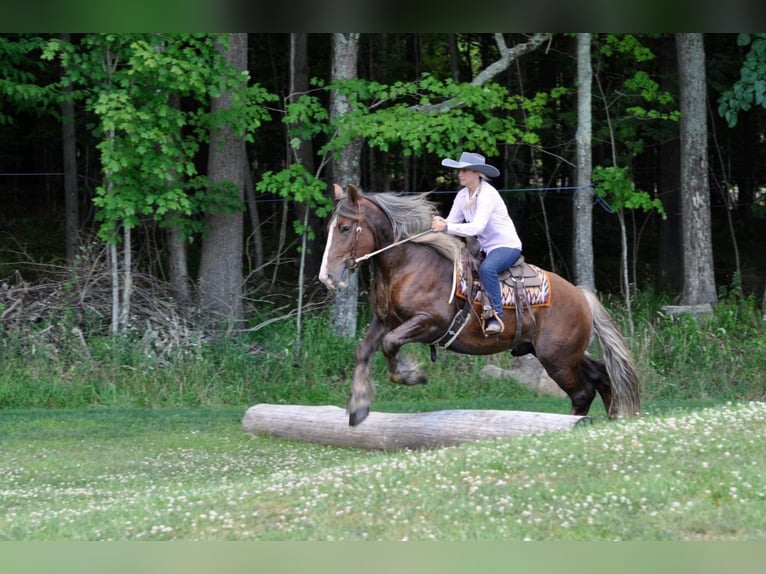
column 348, row 238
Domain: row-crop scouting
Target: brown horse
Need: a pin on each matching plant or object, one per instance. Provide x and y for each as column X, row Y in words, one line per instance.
column 413, row 301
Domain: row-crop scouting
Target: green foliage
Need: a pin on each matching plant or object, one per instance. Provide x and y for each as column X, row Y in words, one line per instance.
column 641, row 83
column 625, row 44
column 615, row 185
column 750, row 89
column 21, row 87
column 148, row 143
column 428, row 116
column 631, row 95
column 296, row 184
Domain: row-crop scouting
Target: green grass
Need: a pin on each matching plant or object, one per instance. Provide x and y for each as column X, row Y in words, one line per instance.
column 191, row 474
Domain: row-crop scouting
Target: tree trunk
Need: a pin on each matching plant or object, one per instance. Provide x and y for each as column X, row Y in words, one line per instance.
column 221, row 260
column 747, row 177
column 127, row 276
column 583, row 201
column 69, row 140
column 699, row 279
column 114, row 273
column 667, row 167
column 178, row 267
column 346, row 170
column 310, row 248
column 670, row 272
column 304, row 155
column 255, row 223
column 454, row 56
column 763, row 303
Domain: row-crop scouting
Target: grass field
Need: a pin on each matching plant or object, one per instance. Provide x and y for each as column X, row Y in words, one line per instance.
column 191, row 474
column 118, row 439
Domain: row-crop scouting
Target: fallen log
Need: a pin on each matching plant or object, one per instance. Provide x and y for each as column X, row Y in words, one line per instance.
column 394, row 431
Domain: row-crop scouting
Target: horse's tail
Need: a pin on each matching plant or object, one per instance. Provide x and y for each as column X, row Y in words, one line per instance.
column 617, row 359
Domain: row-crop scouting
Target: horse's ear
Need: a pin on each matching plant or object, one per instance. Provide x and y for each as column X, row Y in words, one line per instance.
column 354, row 193
column 338, row 191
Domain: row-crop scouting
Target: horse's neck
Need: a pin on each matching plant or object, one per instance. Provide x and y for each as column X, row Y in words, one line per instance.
column 406, row 259
column 390, row 262
column 380, row 227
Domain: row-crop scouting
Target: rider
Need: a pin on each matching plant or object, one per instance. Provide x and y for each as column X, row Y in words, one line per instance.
column 478, row 210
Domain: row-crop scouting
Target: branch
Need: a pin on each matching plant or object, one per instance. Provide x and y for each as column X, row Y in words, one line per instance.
column 507, row 55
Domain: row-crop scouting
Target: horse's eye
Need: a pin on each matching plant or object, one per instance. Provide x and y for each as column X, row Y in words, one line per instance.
column 345, row 228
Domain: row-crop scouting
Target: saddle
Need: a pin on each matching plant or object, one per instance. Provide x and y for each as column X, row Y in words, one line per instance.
column 522, row 285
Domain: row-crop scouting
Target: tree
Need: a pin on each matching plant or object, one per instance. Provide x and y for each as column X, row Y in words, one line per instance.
column 177, row 245
column 125, row 81
column 344, row 67
column 110, row 71
column 583, row 201
column 69, row 152
column 699, row 279
column 221, row 279
column 614, row 182
column 303, row 152
column 748, row 91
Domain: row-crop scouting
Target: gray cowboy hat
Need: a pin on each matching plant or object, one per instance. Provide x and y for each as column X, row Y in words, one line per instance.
column 473, row 161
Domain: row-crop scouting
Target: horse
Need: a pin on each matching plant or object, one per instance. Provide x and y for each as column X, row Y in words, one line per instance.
column 412, row 294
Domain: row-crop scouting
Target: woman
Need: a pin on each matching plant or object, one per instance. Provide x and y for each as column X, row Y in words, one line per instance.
column 478, row 210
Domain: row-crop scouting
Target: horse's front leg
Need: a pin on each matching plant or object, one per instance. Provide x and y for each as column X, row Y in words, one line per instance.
column 404, row 370
column 362, row 387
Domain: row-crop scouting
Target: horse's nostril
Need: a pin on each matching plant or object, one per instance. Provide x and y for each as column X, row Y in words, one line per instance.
column 326, row 279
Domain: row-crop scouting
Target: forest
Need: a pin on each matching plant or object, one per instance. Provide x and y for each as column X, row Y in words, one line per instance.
column 143, row 172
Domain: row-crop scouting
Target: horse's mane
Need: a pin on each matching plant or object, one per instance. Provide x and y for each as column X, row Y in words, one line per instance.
column 409, row 215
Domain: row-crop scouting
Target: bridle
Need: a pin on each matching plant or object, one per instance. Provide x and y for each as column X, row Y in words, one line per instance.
column 351, row 261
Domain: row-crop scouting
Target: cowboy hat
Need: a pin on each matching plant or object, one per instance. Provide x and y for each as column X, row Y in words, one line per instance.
column 472, row 161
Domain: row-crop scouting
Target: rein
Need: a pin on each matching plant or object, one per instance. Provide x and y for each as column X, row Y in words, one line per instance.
column 352, row 262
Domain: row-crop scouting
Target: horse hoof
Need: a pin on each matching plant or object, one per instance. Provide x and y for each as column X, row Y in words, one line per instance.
column 358, row 416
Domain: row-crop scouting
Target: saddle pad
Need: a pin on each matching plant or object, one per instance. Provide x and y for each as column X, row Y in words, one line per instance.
column 538, row 295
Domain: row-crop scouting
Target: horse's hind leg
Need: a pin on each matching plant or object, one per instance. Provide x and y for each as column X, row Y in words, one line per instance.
column 573, row 382
column 595, row 372
column 405, row 371
column 362, row 388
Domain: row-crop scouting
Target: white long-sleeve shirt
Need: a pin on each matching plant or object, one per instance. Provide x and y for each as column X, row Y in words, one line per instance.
column 485, row 216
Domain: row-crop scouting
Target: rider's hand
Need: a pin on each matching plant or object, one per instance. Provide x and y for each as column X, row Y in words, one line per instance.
column 438, row 223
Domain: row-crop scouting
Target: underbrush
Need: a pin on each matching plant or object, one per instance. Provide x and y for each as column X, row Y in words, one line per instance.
column 717, row 357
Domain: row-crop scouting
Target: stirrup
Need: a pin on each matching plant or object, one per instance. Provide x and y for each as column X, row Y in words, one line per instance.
column 493, row 331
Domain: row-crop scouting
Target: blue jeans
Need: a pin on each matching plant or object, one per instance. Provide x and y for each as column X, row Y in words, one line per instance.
column 496, row 261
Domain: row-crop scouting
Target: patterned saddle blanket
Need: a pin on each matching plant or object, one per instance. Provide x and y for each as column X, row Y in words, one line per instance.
column 533, row 281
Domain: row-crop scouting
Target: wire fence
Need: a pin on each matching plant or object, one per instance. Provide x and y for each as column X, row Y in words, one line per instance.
column 14, row 192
